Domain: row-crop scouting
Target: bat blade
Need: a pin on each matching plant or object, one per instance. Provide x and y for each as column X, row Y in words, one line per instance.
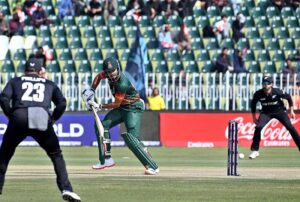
column 98, row 123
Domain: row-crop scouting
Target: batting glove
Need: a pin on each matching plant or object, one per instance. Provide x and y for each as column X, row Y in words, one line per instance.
column 95, row 105
column 88, row 94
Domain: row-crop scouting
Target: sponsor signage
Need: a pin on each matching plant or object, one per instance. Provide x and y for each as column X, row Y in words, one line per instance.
column 210, row 130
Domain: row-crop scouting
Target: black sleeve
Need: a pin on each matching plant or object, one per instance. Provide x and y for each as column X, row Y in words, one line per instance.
column 60, row 103
column 287, row 97
column 5, row 98
column 254, row 102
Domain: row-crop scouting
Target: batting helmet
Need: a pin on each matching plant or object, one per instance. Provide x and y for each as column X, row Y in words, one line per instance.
column 111, row 64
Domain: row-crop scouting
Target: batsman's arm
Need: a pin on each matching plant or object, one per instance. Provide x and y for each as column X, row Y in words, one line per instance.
column 97, row 80
column 119, row 97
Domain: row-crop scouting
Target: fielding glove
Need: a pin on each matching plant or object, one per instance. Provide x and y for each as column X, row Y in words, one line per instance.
column 95, row 105
column 88, row 94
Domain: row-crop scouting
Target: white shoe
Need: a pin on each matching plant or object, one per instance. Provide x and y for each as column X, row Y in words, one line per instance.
column 151, row 171
column 70, row 196
column 108, row 163
column 253, row 154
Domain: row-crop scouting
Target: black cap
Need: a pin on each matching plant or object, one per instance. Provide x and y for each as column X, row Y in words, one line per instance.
column 267, row 80
column 33, row 65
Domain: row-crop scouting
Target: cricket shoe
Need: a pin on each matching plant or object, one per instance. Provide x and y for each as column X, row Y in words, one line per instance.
column 151, row 171
column 253, row 154
column 109, row 162
column 70, row 196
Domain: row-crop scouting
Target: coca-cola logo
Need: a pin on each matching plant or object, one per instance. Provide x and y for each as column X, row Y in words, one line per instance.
column 273, row 131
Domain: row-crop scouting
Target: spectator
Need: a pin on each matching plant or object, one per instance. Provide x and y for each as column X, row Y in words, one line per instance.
column 110, row 8
column 39, row 17
column 185, row 8
column 155, row 101
column 153, row 8
column 202, row 4
column 221, row 28
column 4, row 27
column 135, row 8
column 279, row 4
column 79, row 7
column 237, row 27
column 293, row 3
column 183, row 39
column 165, row 38
column 220, row 3
column 94, row 8
column 65, row 8
column 236, row 5
column 289, row 68
column 223, row 63
column 30, row 6
column 208, row 32
column 169, row 8
column 238, row 62
column 19, row 11
column 16, row 27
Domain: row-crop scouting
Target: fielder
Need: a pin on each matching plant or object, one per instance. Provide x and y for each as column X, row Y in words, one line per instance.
column 25, row 101
column 127, row 107
column 272, row 107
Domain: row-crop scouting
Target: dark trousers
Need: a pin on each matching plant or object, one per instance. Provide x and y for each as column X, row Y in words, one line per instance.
column 16, row 133
column 264, row 119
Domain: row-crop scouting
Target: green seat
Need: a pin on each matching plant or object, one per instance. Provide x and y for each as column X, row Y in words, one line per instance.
column 227, row 10
column 159, row 20
column 97, row 66
column 91, row 43
column 272, row 11
column 60, row 43
column 276, row 21
column 286, row 12
column 197, row 43
column 288, row 44
column 213, row 11
column 152, row 43
column 295, row 32
column 109, row 53
column 98, row 21
column 249, row 55
column 256, row 44
column 84, row 67
column 189, row 21
column 208, row 66
column 160, row 67
column 64, row 54
column 53, row 67
column 88, row 32
column 45, row 41
column 124, row 55
column 243, row 43
column 80, row 54
column 252, row 67
column 194, row 32
column 187, row 56
column 29, row 31
column 131, row 31
column 271, row 44
column 75, row 43
column 249, row 4
column 266, row 32
column 262, row 55
column 156, row 54
column 292, row 21
column 68, row 66
column 202, row 21
column 277, row 55
column 172, row 55
column 54, row 20
column 148, row 32
column 174, row 21
column 281, row 33
column 252, row 33
column 73, row 31
column 298, row 12
column 228, row 43
column 121, row 43
column 144, row 21
column 118, row 32
column 20, row 66
column 210, row 43
column 58, row 31
column 5, row 10
column 268, row 67
column 245, row 11
column 44, row 31
column 201, row 55
column 175, row 66
column 113, row 21
column 261, row 21
column 82, row 21
column 20, row 54
column 49, row 10
column 69, row 20
column 103, row 31
column 198, row 11
column 128, row 21
column 263, row 4
column 105, row 43
column 191, row 67
column 257, row 11
column 249, row 21
column 95, row 54
column 8, row 66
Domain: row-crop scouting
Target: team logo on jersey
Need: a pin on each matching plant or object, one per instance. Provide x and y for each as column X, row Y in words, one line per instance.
column 274, row 96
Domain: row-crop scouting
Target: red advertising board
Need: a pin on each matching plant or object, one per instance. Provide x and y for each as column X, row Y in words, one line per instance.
column 210, row 130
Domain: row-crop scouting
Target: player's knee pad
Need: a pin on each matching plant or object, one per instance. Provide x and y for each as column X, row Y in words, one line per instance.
column 139, row 151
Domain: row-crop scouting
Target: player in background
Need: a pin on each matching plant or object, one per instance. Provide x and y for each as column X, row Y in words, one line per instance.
column 127, row 107
column 272, row 104
column 25, row 101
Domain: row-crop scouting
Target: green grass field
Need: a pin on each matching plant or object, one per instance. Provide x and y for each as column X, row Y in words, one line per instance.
column 186, row 175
